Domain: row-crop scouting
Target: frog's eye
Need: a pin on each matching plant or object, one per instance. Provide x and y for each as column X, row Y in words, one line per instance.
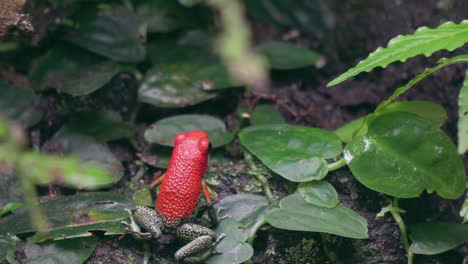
column 180, row 137
column 204, row 144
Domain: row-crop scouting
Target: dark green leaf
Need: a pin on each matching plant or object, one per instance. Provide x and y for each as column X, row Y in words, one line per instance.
column 69, row 251
column 16, row 104
column 189, row 3
column 73, row 216
column 320, row 193
column 285, row 56
column 297, row 214
column 8, row 245
column 165, row 16
column 430, row 111
column 72, row 70
column 266, row 115
column 403, row 154
column 436, row 237
column 296, row 153
column 235, row 249
column 463, row 117
column 103, row 125
column 164, row 131
column 115, row 33
column 248, row 209
column 10, row 207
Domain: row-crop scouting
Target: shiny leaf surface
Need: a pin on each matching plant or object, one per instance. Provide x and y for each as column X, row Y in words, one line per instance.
column 437, row 237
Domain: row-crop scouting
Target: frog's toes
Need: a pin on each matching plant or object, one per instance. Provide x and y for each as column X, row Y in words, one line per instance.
column 218, row 239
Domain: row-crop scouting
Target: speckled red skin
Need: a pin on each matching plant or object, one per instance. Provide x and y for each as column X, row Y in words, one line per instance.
column 182, row 183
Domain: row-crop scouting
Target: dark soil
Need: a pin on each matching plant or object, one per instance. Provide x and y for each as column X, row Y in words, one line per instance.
column 301, row 96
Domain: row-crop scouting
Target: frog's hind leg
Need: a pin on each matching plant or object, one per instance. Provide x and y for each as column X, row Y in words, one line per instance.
column 200, row 246
column 146, row 218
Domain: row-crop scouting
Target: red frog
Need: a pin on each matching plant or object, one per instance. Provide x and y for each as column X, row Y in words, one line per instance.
column 177, row 200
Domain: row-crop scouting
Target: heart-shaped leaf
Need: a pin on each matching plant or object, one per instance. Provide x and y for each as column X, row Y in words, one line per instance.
column 430, row 111
column 73, row 216
column 403, row 154
column 16, row 104
column 115, row 33
column 320, row 193
column 69, row 251
column 72, row 71
column 296, row 153
column 233, row 247
column 164, row 131
column 248, row 209
column 297, row 214
column 435, row 237
column 285, row 56
column 266, row 115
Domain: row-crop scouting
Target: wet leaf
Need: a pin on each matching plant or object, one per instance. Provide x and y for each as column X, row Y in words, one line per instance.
column 403, row 154
column 286, row 56
column 90, row 152
column 235, row 249
column 70, row 251
column 164, row 131
column 8, row 245
column 319, row 193
column 430, row 111
column 436, row 237
column 72, row 71
column 73, row 216
column 248, row 209
column 116, row 33
column 103, row 125
column 17, row 104
column 297, row 214
column 296, row 153
column 266, row 115
column 165, row 16
column 10, row 207
column 463, row 117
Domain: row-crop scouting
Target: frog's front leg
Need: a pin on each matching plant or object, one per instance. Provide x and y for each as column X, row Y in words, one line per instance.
column 142, row 217
column 201, row 242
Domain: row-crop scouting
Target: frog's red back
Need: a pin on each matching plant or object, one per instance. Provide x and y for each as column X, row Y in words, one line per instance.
column 182, row 183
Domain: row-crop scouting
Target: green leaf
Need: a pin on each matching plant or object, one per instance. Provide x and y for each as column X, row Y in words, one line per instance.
column 403, row 154
column 164, row 131
column 72, row 71
column 430, row 111
column 143, row 197
column 436, row 237
column 10, row 207
column 248, row 209
column 8, row 245
column 70, row 251
column 296, row 153
column 297, row 214
column 165, row 16
column 115, row 33
column 285, row 56
column 90, row 152
column 425, row 41
column 73, row 216
column 189, row 3
column 265, row 114
column 319, row 193
column 235, row 249
column 464, row 210
column 10, row 187
column 17, row 104
column 463, row 117
column 103, row 125
column 158, row 157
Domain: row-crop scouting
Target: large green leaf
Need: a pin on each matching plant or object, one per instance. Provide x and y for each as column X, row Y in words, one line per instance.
column 297, row 214
column 16, row 104
column 435, row 237
column 432, row 112
column 320, row 193
column 285, row 56
column 248, row 209
column 72, row 70
column 463, row 117
column 425, row 41
column 403, row 154
column 164, row 131
column 163, row 16
column 115, row 33
column 73, row 216
column 233, row 247
column 265, row 114
column 69, row 251
column 296, row 153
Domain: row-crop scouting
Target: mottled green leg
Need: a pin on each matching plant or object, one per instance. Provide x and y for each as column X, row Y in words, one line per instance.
column 146, row 218
column 201, row 241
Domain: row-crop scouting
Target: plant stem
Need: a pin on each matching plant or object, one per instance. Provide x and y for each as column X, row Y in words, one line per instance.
column 402, row 226
column 337, row 165
column 254, row 171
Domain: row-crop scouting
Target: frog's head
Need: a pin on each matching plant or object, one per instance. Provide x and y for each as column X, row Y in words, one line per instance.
column 196, row 139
